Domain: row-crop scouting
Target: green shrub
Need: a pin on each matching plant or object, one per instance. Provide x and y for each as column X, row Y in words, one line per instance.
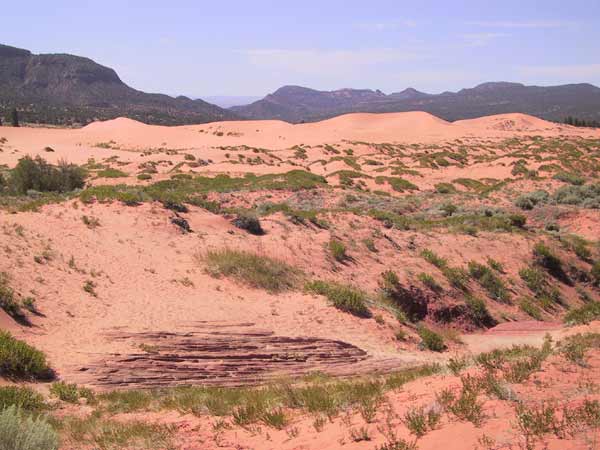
column 21, row 361
column 419, row 421
column 144, row 176
column 66, row 392
column 569, row 177
column 587, row 196
column 489, row 281
column 431, row 340
column 255, row 270
column 434, row 259
column 18, row 432
column 478, row 312
column 532, row 199
column 23, row 398
column 344, row 298
column 338, row 250
column 583, row 315
column 8, row 300
column 36, row 174
column 445, row 188
column 529, row 307
column 595, row 272
column 517, row 220
column 111, row 173
column 430, row 282
column 250, row 223
column 546, row 258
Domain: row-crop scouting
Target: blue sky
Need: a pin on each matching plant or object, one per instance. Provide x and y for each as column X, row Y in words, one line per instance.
column 204, row 48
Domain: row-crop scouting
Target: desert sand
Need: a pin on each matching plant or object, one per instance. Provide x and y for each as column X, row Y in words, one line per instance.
column 150, row 284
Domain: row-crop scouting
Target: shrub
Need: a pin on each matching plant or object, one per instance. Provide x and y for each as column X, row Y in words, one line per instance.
column 595, row 272
column 489, row 281
column 478, row 312
column 250, row 223
column 344, row 298
column 430, row 282
column 532, row 199
column 22, row 397
column 338, row 250
column 19, row 360
column 111, row 173
column 588, row 196
column 36, row 174
column 8, row 301
column 569, row 177
column 434, row 259
column 529, row 307
column 546, row 258
column 144, row 176
column 255, row 270
column 445, row 188
column 419, row 421
column 575, row 347
column 431, row 340
column 412, row 302
column 20, row 433
column 517, row 220
column 583, row 315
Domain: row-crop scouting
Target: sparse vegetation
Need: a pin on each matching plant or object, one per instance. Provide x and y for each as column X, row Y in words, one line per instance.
column 18, row 432
column 344, row 298
column 20, row 361
column 254, row 270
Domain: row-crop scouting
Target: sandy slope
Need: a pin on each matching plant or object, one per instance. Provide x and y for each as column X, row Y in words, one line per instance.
column 79, row 145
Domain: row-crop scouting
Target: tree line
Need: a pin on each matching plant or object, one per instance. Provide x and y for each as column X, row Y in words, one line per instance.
column 574, row 121
column 13, row 118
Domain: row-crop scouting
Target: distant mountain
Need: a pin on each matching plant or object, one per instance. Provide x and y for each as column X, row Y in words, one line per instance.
column 298, row 104
column 227, row 101
column 66, row 89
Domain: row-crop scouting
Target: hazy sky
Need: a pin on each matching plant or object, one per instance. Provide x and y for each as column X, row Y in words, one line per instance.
column 252, row 47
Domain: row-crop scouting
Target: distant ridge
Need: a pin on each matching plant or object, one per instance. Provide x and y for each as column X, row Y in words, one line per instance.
column 299, row 104
column 65, row 89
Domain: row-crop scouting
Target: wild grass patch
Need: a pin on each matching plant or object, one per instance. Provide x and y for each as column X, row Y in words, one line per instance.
column 345, row 298
column 254, row 270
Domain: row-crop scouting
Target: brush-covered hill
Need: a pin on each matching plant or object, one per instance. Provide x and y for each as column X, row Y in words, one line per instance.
column 65, row 89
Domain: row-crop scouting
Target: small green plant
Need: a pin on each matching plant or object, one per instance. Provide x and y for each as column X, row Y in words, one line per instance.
column 338, row 250
column 457, row 364
column 430, row 282
column 90, row 287
column 419, row 421
column 431, row 340
column 90, row 221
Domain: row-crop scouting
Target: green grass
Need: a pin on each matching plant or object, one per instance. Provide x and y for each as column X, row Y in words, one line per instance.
column 111, row 173
column 254, row 270
column 338, row 250
column 20, row 361
column 187, row 190
column 344, row 298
